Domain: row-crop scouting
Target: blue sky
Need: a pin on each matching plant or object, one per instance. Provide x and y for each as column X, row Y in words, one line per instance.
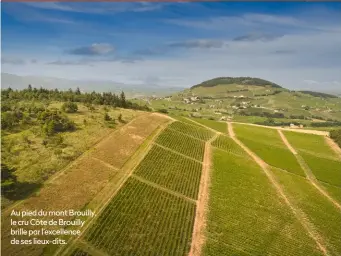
column 297, row 45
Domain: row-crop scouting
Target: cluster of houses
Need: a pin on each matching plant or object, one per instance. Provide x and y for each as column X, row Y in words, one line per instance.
column 191, row 99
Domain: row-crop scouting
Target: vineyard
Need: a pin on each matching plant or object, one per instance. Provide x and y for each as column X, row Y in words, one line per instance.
column 248, row 215
column 320, row 158
column 142, row 220
column 310, row 143
column 192, row 130
column 269, row 146
column 218, row 126
column 171, row 170
column 182, row 143
column 226, row 143
column 152, row 189
column 324, row 215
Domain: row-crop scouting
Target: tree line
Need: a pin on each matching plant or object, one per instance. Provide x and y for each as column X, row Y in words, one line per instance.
column 42, row 94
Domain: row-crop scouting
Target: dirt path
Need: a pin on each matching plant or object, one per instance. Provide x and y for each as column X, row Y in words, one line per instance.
column 198, row 235
column 323, row 133
column 334, row 146
column 309, row 174
column 104, row 197
column 302, row 218
column 286, row 142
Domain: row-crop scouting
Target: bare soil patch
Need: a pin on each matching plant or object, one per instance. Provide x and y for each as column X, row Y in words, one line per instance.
column 198, row 236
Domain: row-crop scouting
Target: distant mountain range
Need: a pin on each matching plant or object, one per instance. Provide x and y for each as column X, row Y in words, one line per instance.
column 21, row 82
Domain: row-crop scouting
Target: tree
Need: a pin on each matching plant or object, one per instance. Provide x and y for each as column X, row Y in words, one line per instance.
column 8, row 179
column 107, row 117
column 70, row 107
column 120, row 118
column 29, row 88
column 123, row 100
column 78, row 92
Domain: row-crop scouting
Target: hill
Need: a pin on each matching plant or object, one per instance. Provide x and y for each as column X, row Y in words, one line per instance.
column 254, row 100
column 236, row 80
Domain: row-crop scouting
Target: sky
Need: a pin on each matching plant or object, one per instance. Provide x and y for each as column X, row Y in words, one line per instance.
column 294, row 44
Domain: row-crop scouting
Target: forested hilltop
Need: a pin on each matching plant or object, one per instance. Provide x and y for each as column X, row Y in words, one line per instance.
column 236, row 80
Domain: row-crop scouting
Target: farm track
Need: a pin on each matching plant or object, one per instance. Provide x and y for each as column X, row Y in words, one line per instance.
column 323, row 133
column 176, row 152
column 309, row 174
column 73, row 163
column 334, row 146
column 150, row 183
column 286, row 142
column 105, row 196
column 299, row 214
column 198, row 235
column 105, row 163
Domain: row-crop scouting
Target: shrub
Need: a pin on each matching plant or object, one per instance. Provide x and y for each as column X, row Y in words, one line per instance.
column 70, row 107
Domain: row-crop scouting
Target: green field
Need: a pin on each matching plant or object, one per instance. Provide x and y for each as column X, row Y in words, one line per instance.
column 182, row 143
column 246, row 216
column 143, row 220
column 323, row 214
column 324, row 169
column 218, row 126
column 310, row 143
column 171, row 170
column 192, row 130
column 268, row 145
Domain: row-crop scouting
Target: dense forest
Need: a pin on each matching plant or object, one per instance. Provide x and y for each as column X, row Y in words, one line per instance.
column 236, row 80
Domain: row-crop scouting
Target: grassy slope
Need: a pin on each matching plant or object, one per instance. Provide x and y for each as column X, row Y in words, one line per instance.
column 246, row 217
